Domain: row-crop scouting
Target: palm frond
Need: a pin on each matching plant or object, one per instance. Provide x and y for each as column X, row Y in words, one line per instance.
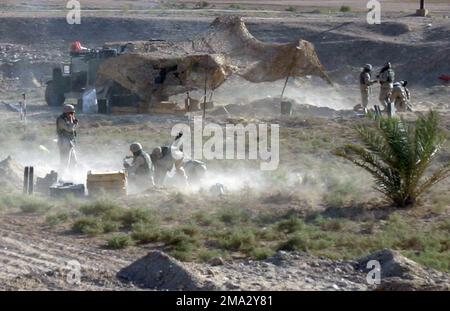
column 398, row 155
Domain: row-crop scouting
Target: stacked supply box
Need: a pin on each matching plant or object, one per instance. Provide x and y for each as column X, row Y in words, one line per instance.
column 106, row 182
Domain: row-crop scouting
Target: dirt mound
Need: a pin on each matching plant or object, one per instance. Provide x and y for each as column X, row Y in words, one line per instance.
column 391, row 29
column 10, row 173
column 401, row 273
column 271, row 106
column 161, row 272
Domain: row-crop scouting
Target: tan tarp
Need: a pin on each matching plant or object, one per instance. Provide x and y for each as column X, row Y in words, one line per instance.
column 158, row 69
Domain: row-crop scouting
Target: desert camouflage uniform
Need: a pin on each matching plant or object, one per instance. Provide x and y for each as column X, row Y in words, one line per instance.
column 66, row 131
column 165, row 162
column 401, row 98
column 365, row 82
column 386, row 85
column 140, row 170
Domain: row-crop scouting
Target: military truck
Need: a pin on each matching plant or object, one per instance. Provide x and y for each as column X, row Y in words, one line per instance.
column 71, row 80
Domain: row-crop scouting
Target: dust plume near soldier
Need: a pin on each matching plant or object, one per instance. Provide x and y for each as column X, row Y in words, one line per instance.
column 66, row 126
column 139, row 170
column 165, row 159
column 365, row 82
column 386, row 78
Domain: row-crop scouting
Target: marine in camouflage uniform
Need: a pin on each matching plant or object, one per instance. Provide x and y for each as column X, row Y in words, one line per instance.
column 401, row 97
column 365, row 81
column 140, row 169
column 66, row 125
column 386, row 78
column 164, row 159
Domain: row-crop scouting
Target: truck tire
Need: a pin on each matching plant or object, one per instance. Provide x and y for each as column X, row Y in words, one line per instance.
column 52, row 96
column 103, row 106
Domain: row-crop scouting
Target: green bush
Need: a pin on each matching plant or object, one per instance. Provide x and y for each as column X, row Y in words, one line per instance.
column 34, row 205
column 290, row 225
column 58, row 218
column 345, row 8
column 295, row 243
column 240, row 239
column 178, row 239
column 119, row 241
column 291, row 8
column 102, row 208
column 110, row 226
column 88, row 225
column 261, row 253
column 233, row 216
column 145, row 233
column 136, row 215
column 205, row 255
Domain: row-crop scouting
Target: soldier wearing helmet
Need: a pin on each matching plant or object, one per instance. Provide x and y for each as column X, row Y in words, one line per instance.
column 386, row 78
column 365, row 81
column 66, row 125
column 140, row 169
column 401, row 97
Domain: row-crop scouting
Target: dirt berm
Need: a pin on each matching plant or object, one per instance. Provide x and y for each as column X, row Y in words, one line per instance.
column 284, row 271
column 160, row 272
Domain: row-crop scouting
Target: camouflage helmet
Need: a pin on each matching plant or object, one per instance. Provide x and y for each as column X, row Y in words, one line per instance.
column 368, row 67
column 68, row 108
column 135, row 147
column 157, row 152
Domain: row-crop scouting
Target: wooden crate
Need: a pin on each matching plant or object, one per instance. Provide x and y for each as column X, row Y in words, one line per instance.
column 110, row 182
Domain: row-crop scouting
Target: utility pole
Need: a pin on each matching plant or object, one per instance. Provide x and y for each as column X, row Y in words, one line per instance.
column 206, row 88
column 422, row 11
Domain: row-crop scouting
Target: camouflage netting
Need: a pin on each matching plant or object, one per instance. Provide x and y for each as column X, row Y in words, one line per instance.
column 168, row 68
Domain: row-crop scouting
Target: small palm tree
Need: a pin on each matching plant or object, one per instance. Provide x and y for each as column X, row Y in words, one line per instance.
column 398, row 155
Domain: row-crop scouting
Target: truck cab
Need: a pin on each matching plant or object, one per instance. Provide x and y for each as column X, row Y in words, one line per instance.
column 70, row 80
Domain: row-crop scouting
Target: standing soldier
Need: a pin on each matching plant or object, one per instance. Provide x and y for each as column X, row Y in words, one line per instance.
column 386, row 78
column 140, row 169
column 365, row 81
column 66, row 125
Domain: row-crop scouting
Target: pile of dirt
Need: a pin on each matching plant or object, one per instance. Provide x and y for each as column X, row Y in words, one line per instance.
column 159, row 271
column 400, row 273
column 10, row 173
column 271, row 106
column 283, row 271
